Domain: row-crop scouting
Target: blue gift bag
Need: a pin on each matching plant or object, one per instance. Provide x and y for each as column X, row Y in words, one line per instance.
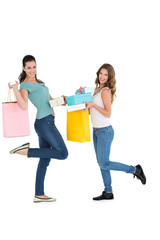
column 79, row 98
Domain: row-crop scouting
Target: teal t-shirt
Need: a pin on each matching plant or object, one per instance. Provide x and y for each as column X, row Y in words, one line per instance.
column 38, row 94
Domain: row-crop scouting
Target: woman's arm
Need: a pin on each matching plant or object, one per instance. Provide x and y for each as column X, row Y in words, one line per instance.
column 21, row 96
column 106, row 98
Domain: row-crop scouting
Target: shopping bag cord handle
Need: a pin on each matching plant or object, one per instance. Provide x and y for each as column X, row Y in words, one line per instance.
column 9, row 95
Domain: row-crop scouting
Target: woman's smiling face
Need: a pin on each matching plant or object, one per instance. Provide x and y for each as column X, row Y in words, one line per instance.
column 103, row 76
column 30, row 69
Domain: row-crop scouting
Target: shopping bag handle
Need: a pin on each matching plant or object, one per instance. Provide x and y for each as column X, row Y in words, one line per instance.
column 9, row 96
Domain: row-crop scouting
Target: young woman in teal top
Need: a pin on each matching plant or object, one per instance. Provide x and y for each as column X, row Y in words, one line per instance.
column 50, row 140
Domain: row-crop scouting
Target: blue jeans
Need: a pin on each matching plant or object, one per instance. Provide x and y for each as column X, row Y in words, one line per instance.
column 51, row 146
column 102, row 139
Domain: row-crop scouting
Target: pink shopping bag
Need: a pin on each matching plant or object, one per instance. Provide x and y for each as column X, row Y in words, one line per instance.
column 15, row 120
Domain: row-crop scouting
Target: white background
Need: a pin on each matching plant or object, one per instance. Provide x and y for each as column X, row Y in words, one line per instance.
column 71, row 40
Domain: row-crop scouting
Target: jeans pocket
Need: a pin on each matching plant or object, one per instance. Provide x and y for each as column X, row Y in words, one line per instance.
column 50, row 120
column 107, row 134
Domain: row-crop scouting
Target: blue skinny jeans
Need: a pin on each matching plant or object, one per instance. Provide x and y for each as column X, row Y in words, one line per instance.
column 102, row 139
column 51, row 146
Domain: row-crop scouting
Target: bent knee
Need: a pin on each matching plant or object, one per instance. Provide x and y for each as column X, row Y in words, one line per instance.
column 104, row 165
column 64, row 154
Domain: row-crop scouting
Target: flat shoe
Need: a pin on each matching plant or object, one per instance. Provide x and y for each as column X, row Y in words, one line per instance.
column 24, row 146
column 38, row 199
column 140, row 174
column 104, row 196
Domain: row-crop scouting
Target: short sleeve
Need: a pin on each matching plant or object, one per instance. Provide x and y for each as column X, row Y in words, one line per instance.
column 27, row 86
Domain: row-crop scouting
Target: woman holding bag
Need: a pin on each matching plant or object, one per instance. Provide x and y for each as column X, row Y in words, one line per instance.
column 103, row 133
column 50, row 140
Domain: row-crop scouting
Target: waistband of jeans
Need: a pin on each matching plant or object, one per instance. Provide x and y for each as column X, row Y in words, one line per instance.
column 48, row 116
column 103, row 128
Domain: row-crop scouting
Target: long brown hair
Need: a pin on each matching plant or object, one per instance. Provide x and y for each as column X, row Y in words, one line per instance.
column 111, row 83
column 27, row 58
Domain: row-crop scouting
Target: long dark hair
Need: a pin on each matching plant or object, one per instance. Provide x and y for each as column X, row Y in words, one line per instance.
column 27, row 58
column 111, row 83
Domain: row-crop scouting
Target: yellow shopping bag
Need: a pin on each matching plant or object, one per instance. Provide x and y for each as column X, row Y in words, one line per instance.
column 78, row 127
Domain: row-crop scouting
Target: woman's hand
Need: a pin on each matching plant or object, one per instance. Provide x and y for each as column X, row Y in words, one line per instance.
column 13, row 85
column 89, row 104
column 65, row 101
